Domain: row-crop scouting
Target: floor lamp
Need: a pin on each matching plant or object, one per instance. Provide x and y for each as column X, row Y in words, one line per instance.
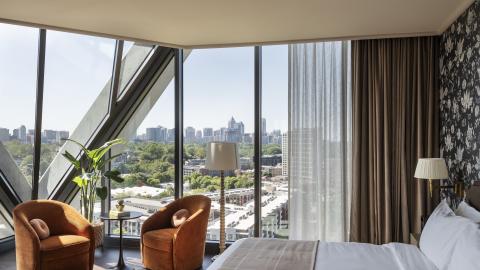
column 222, row 156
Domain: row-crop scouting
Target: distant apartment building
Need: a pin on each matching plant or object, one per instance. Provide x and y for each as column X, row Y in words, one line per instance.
column 156, row 134
column 271, row 160
column 4, row 134
column 272, row 170
column 171, row 135
column 207, row 132
column 219, row 134
column 62, row 135
column 22, row 134
column 247, row 138
column 285, row 154
column 190, row 135
column 198, row 136
column 49, row 136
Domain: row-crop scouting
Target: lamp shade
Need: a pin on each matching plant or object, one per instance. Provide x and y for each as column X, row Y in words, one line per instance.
column 222, row 156
column 431, row 168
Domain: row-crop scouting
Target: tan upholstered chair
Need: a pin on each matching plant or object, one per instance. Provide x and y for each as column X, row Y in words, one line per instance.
column 164, row 247
column 71, row 242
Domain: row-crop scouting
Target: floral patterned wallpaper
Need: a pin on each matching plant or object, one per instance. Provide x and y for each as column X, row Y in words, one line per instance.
column 460, row 96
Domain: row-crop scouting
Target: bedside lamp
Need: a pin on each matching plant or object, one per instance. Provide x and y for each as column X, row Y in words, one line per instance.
column 222, row 156
column 431, row 169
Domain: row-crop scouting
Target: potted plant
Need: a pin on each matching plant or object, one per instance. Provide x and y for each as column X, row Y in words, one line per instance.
column 91, row 171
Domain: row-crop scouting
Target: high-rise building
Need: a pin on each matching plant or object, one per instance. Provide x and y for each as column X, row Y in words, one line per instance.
column 208, row 135
column 198, row 135
column 4, row 134
column 264, row 126
column 235, row 131
column 171, row 135
column 22, row 134
column 207, row 132
column 151, row 134
column 156, row 134
column 62, row 135
column 49, row 136
column 285, row 154
column 190, row 135
column 219, row 134
column 247, row 138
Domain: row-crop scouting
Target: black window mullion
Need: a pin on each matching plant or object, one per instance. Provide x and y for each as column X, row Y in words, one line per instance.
column 38, row 112
column 258, row 141
column 178, row 123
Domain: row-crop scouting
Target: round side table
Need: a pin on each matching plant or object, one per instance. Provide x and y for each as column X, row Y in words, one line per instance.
column 132, row 215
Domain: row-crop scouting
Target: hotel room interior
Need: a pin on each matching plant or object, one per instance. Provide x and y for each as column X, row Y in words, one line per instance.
column 221, row 135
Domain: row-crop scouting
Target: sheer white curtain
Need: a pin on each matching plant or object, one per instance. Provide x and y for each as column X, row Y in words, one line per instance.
column 320, row 140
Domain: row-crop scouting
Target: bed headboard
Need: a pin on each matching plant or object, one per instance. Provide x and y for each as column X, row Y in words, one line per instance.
column 473, row 195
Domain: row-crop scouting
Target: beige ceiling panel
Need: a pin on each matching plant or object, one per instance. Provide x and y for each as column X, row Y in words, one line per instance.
column 217, row 23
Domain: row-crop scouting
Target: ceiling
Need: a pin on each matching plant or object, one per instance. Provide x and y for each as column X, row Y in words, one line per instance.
column 219, row 23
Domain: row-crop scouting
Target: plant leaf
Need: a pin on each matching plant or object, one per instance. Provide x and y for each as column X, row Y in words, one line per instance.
column 79, row 144
column 114, row 175
column 72, row 159
column 102, row 192
column 80, row 181
column 104, row 161
column 97, row 154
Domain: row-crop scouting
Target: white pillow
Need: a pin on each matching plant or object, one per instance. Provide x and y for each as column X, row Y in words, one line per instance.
column 465, row 210
column 466, row 255
column 440, row 234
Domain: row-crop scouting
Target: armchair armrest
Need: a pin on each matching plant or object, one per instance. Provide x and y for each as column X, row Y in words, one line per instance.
column 27, row 243
column 189, row 241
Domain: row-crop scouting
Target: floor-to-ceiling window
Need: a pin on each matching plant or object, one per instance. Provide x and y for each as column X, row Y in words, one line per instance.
column 78, row 70
column 147, row 160
column 274, row 213
column 218, row 106
column 18, row 75
column 133, row 57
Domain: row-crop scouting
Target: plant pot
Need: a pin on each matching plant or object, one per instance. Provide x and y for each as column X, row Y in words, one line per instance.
column 98, row 233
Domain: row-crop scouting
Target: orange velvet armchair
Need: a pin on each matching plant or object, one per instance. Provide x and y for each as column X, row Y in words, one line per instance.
column 166, row 248
column 71, row 242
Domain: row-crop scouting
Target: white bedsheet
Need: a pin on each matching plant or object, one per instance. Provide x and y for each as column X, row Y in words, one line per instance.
column 357, row 256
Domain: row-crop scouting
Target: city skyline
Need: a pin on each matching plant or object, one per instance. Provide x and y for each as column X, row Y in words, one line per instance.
column 218, row 83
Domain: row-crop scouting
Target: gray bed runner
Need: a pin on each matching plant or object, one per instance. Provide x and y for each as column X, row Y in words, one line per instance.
column 275, row 254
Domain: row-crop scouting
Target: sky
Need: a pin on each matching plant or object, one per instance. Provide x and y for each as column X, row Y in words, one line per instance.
column 218, row 83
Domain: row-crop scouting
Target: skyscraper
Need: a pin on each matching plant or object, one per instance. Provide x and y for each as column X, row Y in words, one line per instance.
column 198, row 135
column 171, row 135
column 156, row 134
column 208, row 135
column 22, row 134
column 49, row 136
column 207, row 132
column 235, row 131
column 190, row 135
column 151, row 134
column 264, row 126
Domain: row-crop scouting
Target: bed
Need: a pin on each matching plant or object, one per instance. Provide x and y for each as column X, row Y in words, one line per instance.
column 443, row 246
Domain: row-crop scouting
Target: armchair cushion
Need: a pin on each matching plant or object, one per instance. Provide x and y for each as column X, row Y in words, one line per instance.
column 40, row 228
column 180, row 217
column 161, row 239
column 63, row 246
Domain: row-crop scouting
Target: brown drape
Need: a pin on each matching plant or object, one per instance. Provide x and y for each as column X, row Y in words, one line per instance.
column 395, row 122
